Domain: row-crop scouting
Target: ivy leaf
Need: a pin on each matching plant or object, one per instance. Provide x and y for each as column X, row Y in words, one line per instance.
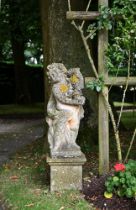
column 98, row 88
column 90, row 85
column 29, row 205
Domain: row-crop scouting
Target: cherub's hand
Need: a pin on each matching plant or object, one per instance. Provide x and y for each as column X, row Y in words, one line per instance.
column 81, row 100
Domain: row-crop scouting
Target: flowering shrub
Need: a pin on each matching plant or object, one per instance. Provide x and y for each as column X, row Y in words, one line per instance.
column 123, row 182
column 119, row 167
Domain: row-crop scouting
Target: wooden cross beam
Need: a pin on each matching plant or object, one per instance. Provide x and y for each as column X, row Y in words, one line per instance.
column 116, row 81
column 80, row 15
column 103, row 117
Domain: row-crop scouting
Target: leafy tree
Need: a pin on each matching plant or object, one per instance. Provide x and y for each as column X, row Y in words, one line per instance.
column 20, row 24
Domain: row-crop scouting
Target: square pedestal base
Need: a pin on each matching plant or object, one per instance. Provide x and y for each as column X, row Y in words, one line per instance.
column 66, row 173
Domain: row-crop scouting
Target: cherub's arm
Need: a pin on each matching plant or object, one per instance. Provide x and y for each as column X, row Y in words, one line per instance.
column 64, row 98
column 51, row 107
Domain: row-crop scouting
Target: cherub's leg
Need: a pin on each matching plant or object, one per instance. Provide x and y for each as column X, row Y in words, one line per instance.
column 73, row 124
column 74, row 127
column 62, row 131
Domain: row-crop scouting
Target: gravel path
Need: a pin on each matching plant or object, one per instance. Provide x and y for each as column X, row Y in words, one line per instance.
column 16, row 133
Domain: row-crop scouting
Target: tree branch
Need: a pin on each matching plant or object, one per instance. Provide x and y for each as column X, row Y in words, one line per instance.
column 124, row 93
column 87, row 8
column 131, row 143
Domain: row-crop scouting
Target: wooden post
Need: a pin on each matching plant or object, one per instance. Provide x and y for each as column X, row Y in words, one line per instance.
column 103, row 121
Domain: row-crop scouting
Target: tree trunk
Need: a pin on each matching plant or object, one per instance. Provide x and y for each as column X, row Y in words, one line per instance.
column 17, row 42
column 62, row 43
column 1, row 56
column 21, row 79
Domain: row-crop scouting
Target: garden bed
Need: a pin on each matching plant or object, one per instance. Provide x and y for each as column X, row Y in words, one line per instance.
column 94, row 193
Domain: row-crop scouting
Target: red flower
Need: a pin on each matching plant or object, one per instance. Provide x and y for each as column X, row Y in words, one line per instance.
column 119, row 167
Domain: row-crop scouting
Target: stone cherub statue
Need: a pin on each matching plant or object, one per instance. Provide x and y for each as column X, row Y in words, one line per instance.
column 64, row 109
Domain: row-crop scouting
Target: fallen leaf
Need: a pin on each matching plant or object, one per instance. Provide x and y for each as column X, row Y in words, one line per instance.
column 108, row 195
column 37, row 192
column 93, row 198
column 7, row 166
column 14, row 178
column 87, row 179
column 29, row 205
column 58, row 194
column 61, row 208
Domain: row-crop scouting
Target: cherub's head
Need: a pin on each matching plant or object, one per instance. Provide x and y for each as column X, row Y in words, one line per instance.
column 56, row 72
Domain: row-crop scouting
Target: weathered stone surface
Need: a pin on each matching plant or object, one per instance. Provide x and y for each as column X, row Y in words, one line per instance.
column 66, row 173
column 65, row 110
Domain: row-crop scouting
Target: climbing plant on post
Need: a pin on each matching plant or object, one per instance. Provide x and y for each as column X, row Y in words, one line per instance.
column 102, row 80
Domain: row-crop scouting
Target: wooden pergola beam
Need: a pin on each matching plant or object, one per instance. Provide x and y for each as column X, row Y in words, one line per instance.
column 117, row 81
column 81, row 15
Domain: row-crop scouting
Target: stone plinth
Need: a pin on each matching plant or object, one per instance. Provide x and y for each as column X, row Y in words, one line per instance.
column 66, row 173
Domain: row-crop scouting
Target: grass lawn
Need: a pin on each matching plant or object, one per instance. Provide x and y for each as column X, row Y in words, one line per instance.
column 118, row 104
column 129, row 119
column 12, row 109
column 24, row 184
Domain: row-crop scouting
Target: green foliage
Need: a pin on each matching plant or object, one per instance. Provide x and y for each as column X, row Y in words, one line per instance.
column 96, row 84
column 122, row 47
column 127, row 7
column 22, row 15
column 123, row 183
column 129, row 120
column 20, row 19
column 120, row 18
column 104, row 21
column 92, row 30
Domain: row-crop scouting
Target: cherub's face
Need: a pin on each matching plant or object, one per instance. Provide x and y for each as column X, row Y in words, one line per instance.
column 56, row 72
column 54, row 75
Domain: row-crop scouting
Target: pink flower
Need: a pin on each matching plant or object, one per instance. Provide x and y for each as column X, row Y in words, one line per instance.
column 119, row 167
